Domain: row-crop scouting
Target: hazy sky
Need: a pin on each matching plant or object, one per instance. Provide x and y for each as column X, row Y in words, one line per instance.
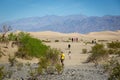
column 16, row 9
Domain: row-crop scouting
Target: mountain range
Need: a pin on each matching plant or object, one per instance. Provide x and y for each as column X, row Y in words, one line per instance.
column 66, row 24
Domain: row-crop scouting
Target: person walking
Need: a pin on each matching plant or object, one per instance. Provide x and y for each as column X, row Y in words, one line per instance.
column 62, row 58
column 69, row 46
column 69, row 54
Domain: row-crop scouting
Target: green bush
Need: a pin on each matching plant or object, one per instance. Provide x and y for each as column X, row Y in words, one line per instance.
column 53, row 55
column 98, row 53
column 114, row 45
column 113, row 68
column 59, row 68
column 30, row 47
column 114, row 48
column 115, row 75
column 49, row 61
column 12, row 37
column 43, row 63
column 111, row 51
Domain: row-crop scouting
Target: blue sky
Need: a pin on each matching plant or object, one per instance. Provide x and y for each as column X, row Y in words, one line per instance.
column 16, row 9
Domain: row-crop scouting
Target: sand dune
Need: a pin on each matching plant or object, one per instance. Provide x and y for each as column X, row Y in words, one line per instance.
column 104, row 35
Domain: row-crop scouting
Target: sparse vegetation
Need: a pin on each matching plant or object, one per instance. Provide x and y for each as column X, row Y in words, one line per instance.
column 4, row 29
column 84, row 51
column 1, row 73
column 56, row 40
column 114, row 48
column 48, row 63
column 114, row 45
column 30, row 47
column 98, row 53
column 12, row 60
column 12, row 37
column 47, row 41
column 113, row 68
column 53, row 55
column 59, row 68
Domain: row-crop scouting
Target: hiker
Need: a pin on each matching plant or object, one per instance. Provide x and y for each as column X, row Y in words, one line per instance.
column 62, row 57
column 69, row 46
column 72, row 39
column 69, row 54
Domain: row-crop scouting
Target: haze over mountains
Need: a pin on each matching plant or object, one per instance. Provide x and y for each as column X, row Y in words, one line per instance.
column 66, row 24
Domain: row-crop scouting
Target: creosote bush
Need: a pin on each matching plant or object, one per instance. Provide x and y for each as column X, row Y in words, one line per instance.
column 114, row 45
column 114, row 48
column 53, row 55
column 50, row 62
column 30, row 47
column 113, row 69
column 98, row 53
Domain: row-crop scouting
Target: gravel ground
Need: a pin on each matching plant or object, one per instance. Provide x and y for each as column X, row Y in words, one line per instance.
column 80, row 72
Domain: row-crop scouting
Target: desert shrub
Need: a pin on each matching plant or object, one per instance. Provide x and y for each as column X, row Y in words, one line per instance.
column 47, row 41
column 12, row 60
column 22, row 34
column 111, row 51
column 59, row 68
column 84, row 51
column 49, row 61
column 30, row 47
column 114, row 45
column 39, row 70
column 114, row 48
column 115, row 75
column 1, row 73
column 56, row 40
column 12, row 37
column 43, row 63
column 113, row 69
column 53, row 55
column 98, row 53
